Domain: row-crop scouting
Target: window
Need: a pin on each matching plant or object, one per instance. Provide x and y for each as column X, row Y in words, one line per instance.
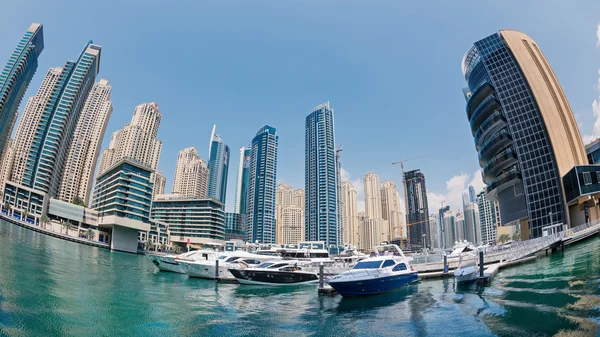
column 598, row 176
column 399, row 267
column 587, row 178
column 388, row 263
column 367, row 265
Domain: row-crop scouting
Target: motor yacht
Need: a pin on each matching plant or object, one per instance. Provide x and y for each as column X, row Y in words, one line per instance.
column 169, row 262
column 275, row 273
column 385, row 270
column 207, row 268
column 466, row 271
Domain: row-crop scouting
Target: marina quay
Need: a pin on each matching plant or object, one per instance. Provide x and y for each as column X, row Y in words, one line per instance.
column 300, row 168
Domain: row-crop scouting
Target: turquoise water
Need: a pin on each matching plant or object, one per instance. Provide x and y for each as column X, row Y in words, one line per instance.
column 50, row 287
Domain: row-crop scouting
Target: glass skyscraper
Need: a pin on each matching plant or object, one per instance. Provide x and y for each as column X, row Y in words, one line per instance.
column 322, row 220
column 524, row 130
column 54, row 131
column 15, row 79
column 261, row 186
column 241, row 193
column 218, row 164
column 418, row 210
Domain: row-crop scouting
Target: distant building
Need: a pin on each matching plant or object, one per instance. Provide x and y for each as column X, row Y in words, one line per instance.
column 320, row 174
column 234, row 226
column 243, row 177
column 449, row 225
column 417, row 212
column 160, row 184
column 472, row 225
column 390, row 205
column 261, row 186
column 283, row 198
column 300, row 199
column 218, row 165
column 191, row 174
column 292, row 225
column 15, row 79
column 472, row 195
column 350, row 220
column 372, row 191
column 459, row 227
column 442, row 227
column 487, row 220
column 434, row 230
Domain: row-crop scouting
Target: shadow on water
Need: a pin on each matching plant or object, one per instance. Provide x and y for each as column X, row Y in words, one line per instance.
column 373, row 302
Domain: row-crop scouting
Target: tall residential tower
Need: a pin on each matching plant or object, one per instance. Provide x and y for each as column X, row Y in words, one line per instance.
column 191, row 174
column 418, row 211
column 218, row 165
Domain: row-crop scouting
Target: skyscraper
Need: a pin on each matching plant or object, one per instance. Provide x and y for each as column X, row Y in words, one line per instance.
column 487, row 220
column 320, row 174
column 84, row 149
column 283, row 198
column 241, row 189
column 261, row 186
column 191, row 174
column 218, row 165
column 472, row 195
column 442, row 227
column 299, row 199
column 15, row 79
column 524, row 130
column 390, row 206
column 160, row 184
column 137, row 140
column 418, row 211
column 349, row 214
column 449, row 225
column 472, row 225
column 372, row 192
column 292, row 225
column 53, row 133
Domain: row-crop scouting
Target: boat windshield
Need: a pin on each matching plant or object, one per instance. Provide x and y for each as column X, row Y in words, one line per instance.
column 265, row 265
column 367, row 265
column 231, row 259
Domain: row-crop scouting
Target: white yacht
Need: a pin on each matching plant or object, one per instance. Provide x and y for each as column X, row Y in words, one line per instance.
column 466, row 271
column 170, row 262
column 206, row 268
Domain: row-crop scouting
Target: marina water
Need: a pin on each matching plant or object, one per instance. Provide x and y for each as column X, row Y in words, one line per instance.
column 51, row 287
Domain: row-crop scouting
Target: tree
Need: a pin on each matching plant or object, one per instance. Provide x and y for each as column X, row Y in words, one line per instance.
column 68, row 226
column 177, row 249
column 44, row 220
column 516, row 235
column 78, row 201
column 163, row 247
column 25, row 214
column 148, row 244
column 7, row 206
column 504, row 238
column 91, row 234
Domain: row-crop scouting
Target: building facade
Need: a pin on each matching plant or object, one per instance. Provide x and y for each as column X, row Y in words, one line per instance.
column 84, row 149
column 418, row 211
column 472, row 224
column 191, row 174
column 261, row 186
column 524, row 130
column 487, row 220
column 373, row 209
column 292, row 225
column 243, row 177
column 234, row 226
column 284, row 195
column 390, row 209
column 15, row 79
column 320, row 174
column 350, row 219
column 299, row 199
column 199, row 221
column 160, row 183
column 218, row 166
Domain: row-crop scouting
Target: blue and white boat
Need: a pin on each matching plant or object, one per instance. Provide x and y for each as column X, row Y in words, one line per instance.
column 385, row 270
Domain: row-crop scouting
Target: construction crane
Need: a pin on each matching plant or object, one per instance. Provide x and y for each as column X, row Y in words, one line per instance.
column 401, row 162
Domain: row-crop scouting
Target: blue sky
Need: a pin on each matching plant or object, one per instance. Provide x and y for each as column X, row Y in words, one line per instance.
column 391, row 70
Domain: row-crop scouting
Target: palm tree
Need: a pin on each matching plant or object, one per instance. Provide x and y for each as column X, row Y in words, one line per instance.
column 78, row 201
column 177, row 249
column 7, row 207
column 516, row 235
column 68, row 226
column 148, row 244
column 44, row 220
column 504, row 238
column 163, row 247
column 91, row 234
column 25, row 214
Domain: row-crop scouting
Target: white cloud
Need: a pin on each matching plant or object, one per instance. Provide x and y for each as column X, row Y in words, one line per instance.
column 455, row 187
column 596, row 104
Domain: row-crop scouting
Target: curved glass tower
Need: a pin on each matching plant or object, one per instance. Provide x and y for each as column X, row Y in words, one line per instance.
column 523, row 128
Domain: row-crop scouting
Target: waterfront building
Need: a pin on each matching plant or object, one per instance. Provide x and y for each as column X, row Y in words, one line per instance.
column 292, row 225
column 320, row 174
column 6, row 163
column 350, row 220
column 525, row 134
column 160, row 183
column 44, row 159
column 390, row 206
column 487, row 220
column 191, row 174
column 261, row 186
column 418, row 211
column 243, row 177
column 218, row 166
column 593, row 152
column 126, row 211
column 198, row 221
column 234, row 226
column 283, row 198
column 449, row 225
column 84, row 149
column 472, row 225
column 15, row 79
column 372, row 191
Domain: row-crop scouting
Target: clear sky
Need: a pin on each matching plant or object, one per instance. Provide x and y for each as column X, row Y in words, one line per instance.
column 391, row 70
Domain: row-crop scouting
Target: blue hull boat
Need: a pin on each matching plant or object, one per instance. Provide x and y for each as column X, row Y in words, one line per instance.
column 373, row 286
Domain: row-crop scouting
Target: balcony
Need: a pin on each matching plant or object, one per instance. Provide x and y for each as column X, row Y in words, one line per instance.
column 489, row 105
column 478, row 96
column 503, row 182
column 498, row 163
column 493, row 123
column 493, row 144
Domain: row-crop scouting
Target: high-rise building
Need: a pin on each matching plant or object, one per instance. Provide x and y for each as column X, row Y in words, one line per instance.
column 241, row 189
column 524, row 131
column 487, row 220
column 191, row 174
column 299, row 199
column 372, row 191
column 261, row 186
column 283, row 198
column 160, row 184
column 234, row 226
column 442, row 227
column 292, row 225
column 45, row 158
column 218, row 165
column 320, row 174
column 434, row 230
column 418, row 211
column 84, row 148
column 472, row 225
column 349, row 214
column 472, row 194
column 459, row 229
column 15, row 79
column 390, row 205
column 449, row 225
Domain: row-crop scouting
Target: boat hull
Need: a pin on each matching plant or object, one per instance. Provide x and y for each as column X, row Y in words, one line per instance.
column 273, row 278
column 166, row 264
column 465, row 275
column 373, row 286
